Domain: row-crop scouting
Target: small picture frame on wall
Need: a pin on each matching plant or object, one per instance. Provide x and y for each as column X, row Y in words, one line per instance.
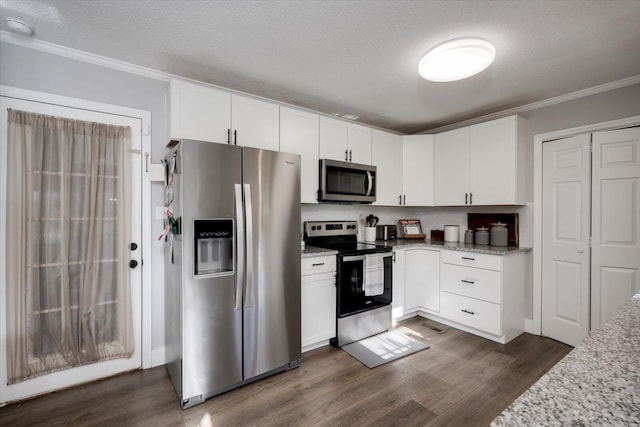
column 411, row 229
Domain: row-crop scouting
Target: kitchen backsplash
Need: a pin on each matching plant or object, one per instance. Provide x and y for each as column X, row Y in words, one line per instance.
column 430, row 217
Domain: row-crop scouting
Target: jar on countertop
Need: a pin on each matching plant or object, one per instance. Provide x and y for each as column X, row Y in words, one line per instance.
column 499, row 234
column 482, row 236
column 468, row 236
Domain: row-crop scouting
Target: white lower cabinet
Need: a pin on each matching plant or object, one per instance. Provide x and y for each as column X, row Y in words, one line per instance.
column 479, row 293
column 422, row 280
column 318, row 301
column 484, row 293
column 416, row 281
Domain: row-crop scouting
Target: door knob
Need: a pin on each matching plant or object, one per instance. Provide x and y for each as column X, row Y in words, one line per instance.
column 133, row 246
column 133, row 263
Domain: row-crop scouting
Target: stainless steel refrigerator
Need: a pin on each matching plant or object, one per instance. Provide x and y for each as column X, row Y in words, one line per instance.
column 232, row 266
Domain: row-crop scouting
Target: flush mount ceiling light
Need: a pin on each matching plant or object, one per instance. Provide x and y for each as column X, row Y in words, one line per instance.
column 456, row 60
column 18, row 27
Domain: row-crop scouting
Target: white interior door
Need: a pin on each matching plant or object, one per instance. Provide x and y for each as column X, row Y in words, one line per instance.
column 615, row 253
column 69, row 377
column 566, row 205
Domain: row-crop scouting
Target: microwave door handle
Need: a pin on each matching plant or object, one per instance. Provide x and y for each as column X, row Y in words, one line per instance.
column 240, row 258
column 370, row 183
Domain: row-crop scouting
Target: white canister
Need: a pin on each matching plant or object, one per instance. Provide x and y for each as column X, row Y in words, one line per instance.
column 451, row 233
column 369, row 234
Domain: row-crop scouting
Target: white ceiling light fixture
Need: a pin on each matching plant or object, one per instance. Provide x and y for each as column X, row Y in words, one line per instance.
column 456, row 59
column 19, row 27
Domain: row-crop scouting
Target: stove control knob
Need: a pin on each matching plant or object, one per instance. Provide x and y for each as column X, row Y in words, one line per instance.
column 319, row 227
column 313, row 227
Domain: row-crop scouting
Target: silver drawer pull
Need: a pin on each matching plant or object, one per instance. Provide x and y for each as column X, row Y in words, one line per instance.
column 468, row 258
column 467, row 311
column 317, row 264
column 467, row 281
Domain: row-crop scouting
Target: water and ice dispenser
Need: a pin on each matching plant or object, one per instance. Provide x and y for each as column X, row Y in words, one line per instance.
column 214, row 251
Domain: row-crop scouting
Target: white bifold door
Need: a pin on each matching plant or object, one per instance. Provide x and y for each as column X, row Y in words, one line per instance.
column 591, row 230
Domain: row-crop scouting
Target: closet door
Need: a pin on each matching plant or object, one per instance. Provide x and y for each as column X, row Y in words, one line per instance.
column 565, row 239
column 615, row 256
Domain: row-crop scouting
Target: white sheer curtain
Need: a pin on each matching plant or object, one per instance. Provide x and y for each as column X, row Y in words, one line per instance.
column 68, row 231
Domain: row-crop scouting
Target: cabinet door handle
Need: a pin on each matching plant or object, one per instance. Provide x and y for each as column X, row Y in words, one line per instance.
column 400, row 201
column 465, row 198
column 394, row 257
column 235, row 137
column 468, row 258
column 346, row 155
column 468, row 311
column 470, row 198
column 404, row 199
column 317, row 264
column 228, row 136
column 350, row 153
column 467, row 281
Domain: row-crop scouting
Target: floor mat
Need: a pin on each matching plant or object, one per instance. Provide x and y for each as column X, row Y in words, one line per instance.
column 383, row 348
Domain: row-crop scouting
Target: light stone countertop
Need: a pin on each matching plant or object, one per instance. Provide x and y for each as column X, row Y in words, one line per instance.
column 597, row 384
column 311, row 251
column 453, row 246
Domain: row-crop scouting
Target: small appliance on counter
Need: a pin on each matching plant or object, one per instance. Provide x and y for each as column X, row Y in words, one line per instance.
column 386, row 232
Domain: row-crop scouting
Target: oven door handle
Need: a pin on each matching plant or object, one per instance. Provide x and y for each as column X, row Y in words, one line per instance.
column 353, row 258
column 363, row 257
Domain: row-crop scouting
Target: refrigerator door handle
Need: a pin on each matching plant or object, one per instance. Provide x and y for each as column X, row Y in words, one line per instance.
column 249, row 251
column 239, row 246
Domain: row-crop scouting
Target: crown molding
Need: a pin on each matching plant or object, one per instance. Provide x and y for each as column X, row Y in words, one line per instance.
column 540, row 104
column 80, row 55
column 127, row 67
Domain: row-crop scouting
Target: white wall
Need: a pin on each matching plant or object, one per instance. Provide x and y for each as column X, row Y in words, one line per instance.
column 35, row 70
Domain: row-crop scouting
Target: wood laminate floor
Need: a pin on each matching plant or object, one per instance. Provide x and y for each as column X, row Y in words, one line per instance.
column 462, row 380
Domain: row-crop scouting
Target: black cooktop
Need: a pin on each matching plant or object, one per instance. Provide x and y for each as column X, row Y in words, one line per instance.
column 340, row 236
column 352, row 248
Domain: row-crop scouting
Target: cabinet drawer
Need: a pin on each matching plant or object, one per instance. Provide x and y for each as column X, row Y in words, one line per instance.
column 471, row 259
column 471, row 312
column 315, row 265
column 472, row 282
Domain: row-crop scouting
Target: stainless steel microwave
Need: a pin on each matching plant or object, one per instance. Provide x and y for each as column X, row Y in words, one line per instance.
column 346, row 182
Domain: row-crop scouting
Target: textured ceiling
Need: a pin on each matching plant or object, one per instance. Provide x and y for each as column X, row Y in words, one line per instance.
column 357, row 57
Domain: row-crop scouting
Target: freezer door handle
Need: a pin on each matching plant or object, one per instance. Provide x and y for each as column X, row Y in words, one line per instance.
column 249, row 251
column 239, row 247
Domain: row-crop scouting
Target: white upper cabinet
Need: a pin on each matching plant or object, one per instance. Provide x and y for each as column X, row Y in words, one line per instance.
column 417, row 170
column 255, row 123
column 299, row 134
column 344, row 141
column 209, row 114
column 359, row 143
column 483, row 164
column 333, row 139
column 198, row 112
column 451, row 151
column 386, row 155
column 497, row 161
